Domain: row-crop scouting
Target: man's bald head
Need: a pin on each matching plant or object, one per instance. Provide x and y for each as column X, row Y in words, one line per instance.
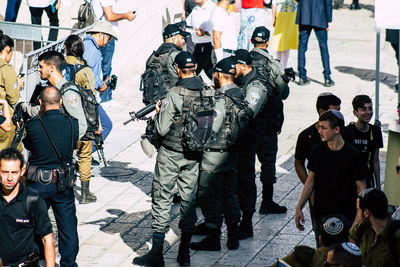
column 50, row 96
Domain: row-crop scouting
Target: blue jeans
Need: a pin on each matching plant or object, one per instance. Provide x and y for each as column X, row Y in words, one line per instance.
column 106, row 124
column 63, row 206
column 322, row 36
column 107, row 53
column 12, row 10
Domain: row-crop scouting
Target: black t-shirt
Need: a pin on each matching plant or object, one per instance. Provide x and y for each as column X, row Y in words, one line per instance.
column 16, row 229
column 336, row 172
column 367, row 143
column 305, row 141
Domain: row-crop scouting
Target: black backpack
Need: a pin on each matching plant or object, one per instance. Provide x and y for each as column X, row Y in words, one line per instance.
column 198, row 121
column 155, row 80
column 89, row 105
column 86, row 15
column 238, row 115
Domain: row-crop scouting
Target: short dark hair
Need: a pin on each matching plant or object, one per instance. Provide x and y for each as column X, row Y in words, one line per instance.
column 52, row 58
column 337, row 230
column 360, row 100
column 12, row 154
column 327, row 99
column 50, row 96
column 332, row 119
column 5, row 41
column 74, row 46
column 375, row 201
column 345, row 258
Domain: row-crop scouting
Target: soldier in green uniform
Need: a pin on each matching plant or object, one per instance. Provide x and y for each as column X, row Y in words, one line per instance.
column 10, row 85
column 377, row 234
column 334, row 230
column 255, row 90
column 175, row 165
column 218, row 170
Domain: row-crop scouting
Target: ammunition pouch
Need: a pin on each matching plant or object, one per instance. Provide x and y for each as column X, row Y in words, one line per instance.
column 152, row 135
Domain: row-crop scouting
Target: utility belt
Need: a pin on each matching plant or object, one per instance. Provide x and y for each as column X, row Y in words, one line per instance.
column 63, row 178
column 31, row 261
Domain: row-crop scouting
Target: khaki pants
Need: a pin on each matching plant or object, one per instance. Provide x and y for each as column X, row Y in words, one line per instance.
column 174, row 168
column 84, row 150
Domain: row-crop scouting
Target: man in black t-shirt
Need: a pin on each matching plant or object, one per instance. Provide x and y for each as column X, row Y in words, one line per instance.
column 367, row 138
column 336, row 174
column 18, row 225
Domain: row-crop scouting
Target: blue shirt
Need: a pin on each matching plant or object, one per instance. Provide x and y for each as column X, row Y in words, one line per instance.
column 93, row 57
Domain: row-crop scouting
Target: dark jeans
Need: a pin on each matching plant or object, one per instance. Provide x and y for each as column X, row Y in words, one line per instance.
column 63, row 206
column 12, row 10
column 36, row 18
column 106, row 123
column 266, row 147
column 322, row 36
column 218, row 188
column 202, row 54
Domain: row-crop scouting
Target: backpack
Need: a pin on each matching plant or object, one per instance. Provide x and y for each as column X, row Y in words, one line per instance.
column 391, row 242
column 238, row 116
column 86, row 15
column 155, row 81
column 198, row 121
column 89, row 105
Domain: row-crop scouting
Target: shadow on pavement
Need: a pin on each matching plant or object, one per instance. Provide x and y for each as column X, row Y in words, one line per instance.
column 369, row 75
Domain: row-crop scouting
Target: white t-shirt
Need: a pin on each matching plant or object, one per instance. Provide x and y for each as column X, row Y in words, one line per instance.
column 98, row 10
column 200, row 18
column 222, row 21
column 39, row 3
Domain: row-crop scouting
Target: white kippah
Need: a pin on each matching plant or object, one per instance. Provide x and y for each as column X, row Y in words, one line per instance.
column 351, row 248
column 333, row 226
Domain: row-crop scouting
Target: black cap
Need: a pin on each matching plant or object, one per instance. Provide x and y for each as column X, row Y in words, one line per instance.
column 185, row 60
column 260, row 35
column 172, row 30
column 242, row 56
column 226, row 65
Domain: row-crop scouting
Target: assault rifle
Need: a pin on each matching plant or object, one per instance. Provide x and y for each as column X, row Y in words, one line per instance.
column 140, row 115
column 98, row 143
column 19, row 122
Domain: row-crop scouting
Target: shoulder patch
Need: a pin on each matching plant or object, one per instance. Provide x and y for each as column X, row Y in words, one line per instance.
column 254, row 98
column 164, row 104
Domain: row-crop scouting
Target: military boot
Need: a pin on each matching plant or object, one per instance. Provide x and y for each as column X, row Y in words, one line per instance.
column 268, row 206
column 233, row 238
column 211, row 242
column 245, row 229
column 184, row 252
column 86, row 196
column 155, row 256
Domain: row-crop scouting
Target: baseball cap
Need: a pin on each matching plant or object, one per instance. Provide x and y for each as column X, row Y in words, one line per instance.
column 104, row 27
column 185, row 60
column 260, row 35
column 226, row 65
column 172, row 30
column 242, row 56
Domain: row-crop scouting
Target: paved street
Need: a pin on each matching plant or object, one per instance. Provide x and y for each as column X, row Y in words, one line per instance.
column 117, row 227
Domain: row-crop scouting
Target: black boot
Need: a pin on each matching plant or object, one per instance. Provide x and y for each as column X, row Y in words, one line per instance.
column 268, row 206
column 211, row 242
column 245, row 229
column 355, row 5
column 184, row 252
column 200, row 229
column 155, row 256
column 233, row 239
column 86, row 196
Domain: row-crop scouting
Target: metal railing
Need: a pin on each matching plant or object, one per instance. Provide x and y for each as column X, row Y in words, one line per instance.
column 27, row 33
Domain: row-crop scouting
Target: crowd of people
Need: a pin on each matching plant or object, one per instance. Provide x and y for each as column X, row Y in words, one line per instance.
column 207, row 138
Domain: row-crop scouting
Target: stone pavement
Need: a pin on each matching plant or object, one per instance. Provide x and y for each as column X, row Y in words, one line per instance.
column 118, row 227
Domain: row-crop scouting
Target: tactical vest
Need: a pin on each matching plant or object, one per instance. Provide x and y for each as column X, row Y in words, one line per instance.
column 173, row 139
column 270, row 119
column 230, row 131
